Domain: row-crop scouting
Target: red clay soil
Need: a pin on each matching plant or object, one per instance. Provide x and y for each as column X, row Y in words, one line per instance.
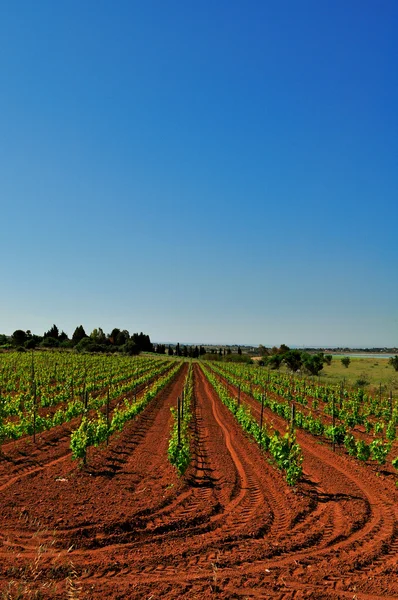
column 127, row 526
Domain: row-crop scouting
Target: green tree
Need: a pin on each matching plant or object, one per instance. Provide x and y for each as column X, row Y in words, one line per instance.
column 394, row 362
column 283, row 349
column 78, row 334
column 293, row 360
column 98, row 336
column 52, row 333
column 346, row 361
column 274, row 361
column 143, row 342
column 122, row 337
column 18, row 338
column 313, row 363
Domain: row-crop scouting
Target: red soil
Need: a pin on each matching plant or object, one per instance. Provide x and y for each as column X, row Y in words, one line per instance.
column 127, row 527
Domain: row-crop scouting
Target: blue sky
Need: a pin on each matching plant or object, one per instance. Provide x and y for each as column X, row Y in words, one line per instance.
column 221, row 172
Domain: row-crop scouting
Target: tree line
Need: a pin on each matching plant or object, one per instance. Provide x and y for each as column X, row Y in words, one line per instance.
column 119, row 340
column 295, row 360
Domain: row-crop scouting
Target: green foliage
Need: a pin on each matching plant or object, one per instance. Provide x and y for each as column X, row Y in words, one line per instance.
column 363, row 450
column 81, row 439
column 78, row 334
column 378, row 427
column 93, row 432
column 179, row 453
column 313, row 363
column 84, row 345
column 288, row 456
column 350, row 445
column 130, row 348
column 379, row 450
column 274, row 361
column 335, row 433
column 49, row 342
column 391, row 430
column 31, row 343
column 53, row 332
column 362, row 380
column 284, row 449
column 345, row 361
column 293, row 360
column 19, row 337
column 394, row 362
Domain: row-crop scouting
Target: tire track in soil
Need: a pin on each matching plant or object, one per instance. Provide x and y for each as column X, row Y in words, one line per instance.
column 236, row 568
column 231, row 528
column 120, row 450
column 365, row 546
column 20, row 458
column 245, row 499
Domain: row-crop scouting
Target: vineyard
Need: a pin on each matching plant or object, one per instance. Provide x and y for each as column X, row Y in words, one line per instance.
column 156, row 477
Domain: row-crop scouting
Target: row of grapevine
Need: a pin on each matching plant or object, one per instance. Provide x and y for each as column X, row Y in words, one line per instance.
column 93, row 431
column 179, row 444
column 28, row 419
column 74, row 378
column 279, row 400
column 284, row 449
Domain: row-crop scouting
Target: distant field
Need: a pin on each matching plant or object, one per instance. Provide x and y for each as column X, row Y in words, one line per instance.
column 373, row 370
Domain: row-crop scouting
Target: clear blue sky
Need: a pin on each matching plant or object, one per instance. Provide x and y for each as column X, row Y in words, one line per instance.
column 206, row 171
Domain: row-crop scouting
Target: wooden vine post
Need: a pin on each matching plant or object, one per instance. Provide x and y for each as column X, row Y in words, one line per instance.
column 179, row 420
column 333, row 423
column 34, row 395
column 34, row 411
column 107, row 417
column 292, row 419
column 262, row 414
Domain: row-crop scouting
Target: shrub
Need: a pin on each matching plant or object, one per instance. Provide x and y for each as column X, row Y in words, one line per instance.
column 49, row 342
